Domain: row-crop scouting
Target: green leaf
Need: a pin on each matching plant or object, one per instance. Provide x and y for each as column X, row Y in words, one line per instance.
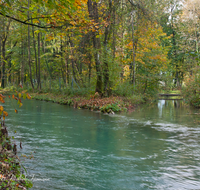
column 24, row 96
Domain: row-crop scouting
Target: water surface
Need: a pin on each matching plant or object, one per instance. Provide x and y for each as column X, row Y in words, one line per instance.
column 154, row 147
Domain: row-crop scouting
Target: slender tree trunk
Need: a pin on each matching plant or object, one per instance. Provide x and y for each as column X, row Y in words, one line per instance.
column 114, row 36
column 62, row 62
column 133, row 48
column 0, row 55
column 29, row 52
column 90, row 66
column 5, row 36
column 133, row 41
column 35, row 51
column 67, row 62
column 176, row 81
column 73, row 60
column 39, row 80
column 4, row 63
column 9, row 71
column 22, row 58
column 67, row 69
column 105, row 63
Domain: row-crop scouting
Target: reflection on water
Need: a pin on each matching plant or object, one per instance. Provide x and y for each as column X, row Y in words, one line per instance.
column 161, row 104
column 155, row 147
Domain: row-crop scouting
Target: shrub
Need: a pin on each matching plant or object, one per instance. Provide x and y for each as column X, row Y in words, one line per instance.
column 108, row 107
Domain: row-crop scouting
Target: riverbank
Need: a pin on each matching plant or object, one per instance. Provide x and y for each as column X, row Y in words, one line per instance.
column 10, row 173
column 94, row 102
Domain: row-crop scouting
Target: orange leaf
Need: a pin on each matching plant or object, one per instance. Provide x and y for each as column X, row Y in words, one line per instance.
column 2, row 101
column 1, row 108
column 2, row 96
column 16, row 111
column 5, row 113
column 4, row 117
column 13, row 96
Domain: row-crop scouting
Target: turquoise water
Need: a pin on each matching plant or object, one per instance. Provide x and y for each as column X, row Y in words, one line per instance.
column 154, row 147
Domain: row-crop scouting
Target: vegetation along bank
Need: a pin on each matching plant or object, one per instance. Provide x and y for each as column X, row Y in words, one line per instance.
column 125, row 49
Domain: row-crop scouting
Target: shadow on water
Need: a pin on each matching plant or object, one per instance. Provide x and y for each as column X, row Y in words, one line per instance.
column 155, row 147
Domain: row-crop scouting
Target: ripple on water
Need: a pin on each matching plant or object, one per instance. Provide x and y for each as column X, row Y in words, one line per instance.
column 76, row 149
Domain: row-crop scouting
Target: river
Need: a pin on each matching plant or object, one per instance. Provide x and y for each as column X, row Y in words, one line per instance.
column 154, row 147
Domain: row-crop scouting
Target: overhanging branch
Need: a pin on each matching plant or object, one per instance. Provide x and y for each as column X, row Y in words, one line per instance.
column 31, row 24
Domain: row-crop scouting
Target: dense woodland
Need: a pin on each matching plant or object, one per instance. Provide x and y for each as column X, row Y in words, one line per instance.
column 120, row 47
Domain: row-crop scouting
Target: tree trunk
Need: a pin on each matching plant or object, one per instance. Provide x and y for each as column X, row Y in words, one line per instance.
column 35, row 51
column 4, row 63
column 90, row 66
column 133, row 41
column 62, row 62
column 5, row 36
column 22, row 59
column 29, row 52
column 39, row 81
column 9, row 71
column 105, row 62
column 0, row 55
column 67, row 69
column 93, row 13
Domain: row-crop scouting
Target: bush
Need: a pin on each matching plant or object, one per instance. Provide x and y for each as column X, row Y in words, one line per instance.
column 191, row 90
column 136, row 99
column 110, row 107
column 124, row 89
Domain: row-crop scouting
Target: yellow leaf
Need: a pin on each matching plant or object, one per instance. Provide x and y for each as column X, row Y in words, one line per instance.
column 19, row 95
column 28, row 96
column 1, row 108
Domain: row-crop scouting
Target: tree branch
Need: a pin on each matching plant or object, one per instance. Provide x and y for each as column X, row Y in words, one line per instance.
column 38, row 26
column 36, row 18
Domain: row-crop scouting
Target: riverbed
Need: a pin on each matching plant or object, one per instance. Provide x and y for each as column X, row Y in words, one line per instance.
column 154, row 147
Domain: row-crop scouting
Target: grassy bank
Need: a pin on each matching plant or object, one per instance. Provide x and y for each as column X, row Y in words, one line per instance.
column 94, row 102
column 10, row 173
column 85, row 100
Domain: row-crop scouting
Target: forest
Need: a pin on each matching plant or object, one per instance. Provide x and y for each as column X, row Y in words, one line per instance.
column 120, row 48
column 108, row 56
